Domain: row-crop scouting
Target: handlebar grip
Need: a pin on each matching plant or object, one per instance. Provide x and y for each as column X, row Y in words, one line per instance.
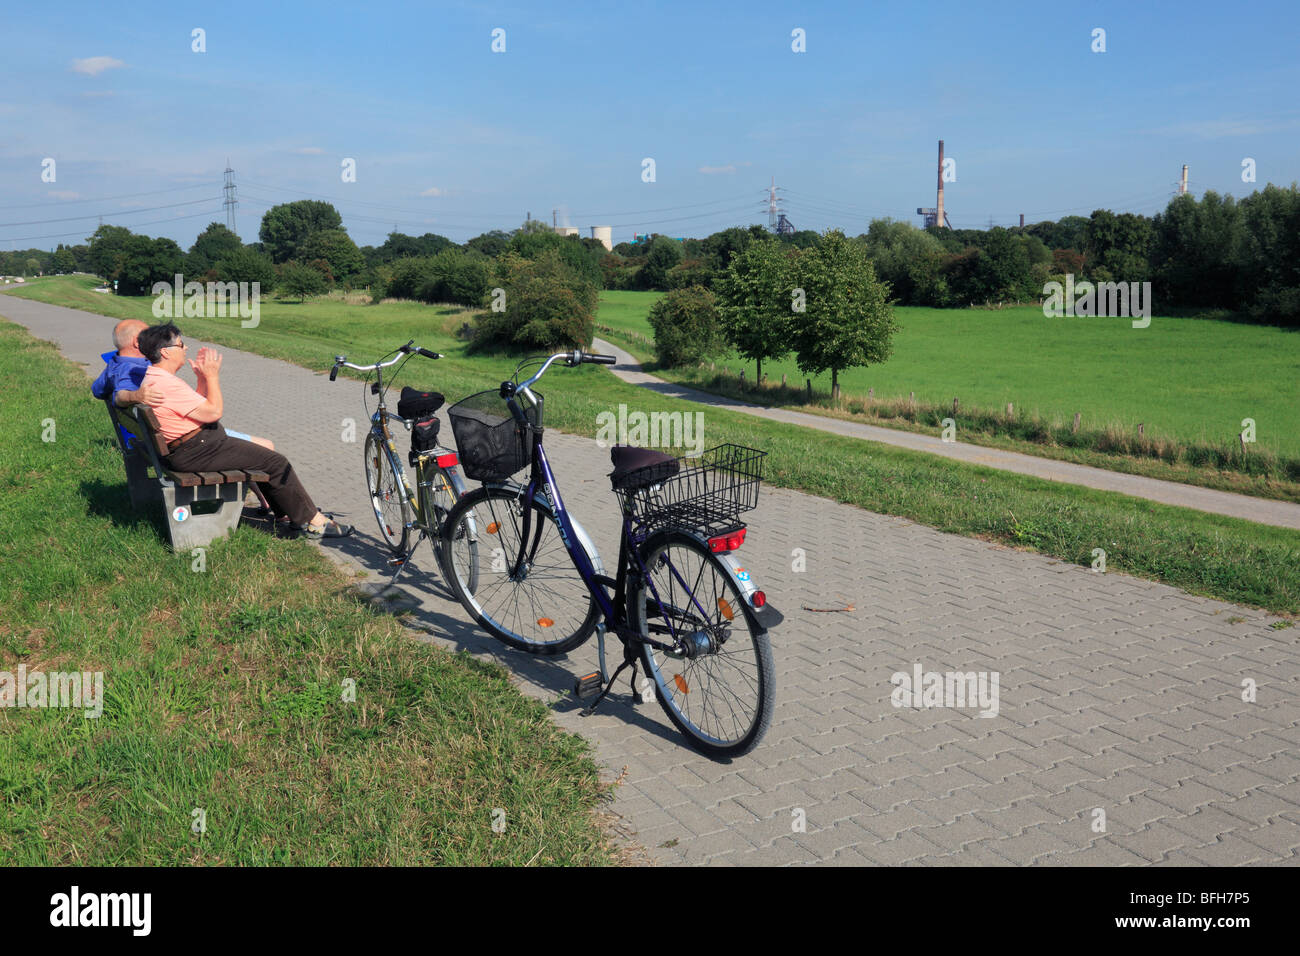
column 427, row 354
column 600, row 359
column 334, row 372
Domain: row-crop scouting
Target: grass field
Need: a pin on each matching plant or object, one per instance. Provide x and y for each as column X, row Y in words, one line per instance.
column 1193, row 380
column 1207, row 554
column 222, row 688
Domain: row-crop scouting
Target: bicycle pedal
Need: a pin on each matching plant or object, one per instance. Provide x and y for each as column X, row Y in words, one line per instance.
column 587, row 686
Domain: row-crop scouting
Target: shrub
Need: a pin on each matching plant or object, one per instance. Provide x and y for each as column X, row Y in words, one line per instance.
column 686, row 326
column 547, row 305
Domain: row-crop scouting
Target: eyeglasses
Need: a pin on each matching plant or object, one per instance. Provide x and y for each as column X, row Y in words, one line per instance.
column 175, row 345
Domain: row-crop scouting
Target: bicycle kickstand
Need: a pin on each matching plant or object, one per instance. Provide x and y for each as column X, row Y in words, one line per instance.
column 403, row 561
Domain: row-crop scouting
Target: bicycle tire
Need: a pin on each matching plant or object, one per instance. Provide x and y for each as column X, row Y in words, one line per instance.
column 387, row 500
column 550, row 590
column 692, row 690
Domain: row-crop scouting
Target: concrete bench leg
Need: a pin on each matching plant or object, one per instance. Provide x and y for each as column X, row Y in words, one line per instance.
column 191, row 531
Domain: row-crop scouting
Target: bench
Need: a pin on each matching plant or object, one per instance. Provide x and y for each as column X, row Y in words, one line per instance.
column 176, row 491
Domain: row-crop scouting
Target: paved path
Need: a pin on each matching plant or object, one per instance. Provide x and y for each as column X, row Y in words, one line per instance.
column 1284, row 514
column 1116, row 694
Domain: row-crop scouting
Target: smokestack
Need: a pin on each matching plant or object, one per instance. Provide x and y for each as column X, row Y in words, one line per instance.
column 938, row 203
column 1022, row 220
column 1182, row 185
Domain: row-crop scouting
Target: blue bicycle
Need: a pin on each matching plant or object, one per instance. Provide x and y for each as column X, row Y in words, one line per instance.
column 680, row 603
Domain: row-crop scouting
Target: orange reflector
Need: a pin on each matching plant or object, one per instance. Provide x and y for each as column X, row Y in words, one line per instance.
column 725, row 608
column 680, row 681
column 492, row 528
column 545, row 622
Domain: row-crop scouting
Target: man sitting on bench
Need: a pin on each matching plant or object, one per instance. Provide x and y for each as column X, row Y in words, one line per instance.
column 123, row 375
column 189, row 421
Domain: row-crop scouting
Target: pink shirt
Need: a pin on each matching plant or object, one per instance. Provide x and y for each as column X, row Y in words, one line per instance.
column 178, row 401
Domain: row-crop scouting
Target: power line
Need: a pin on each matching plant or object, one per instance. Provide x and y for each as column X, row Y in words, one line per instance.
column 93, row 215
column 81, row 232
column 69, row 202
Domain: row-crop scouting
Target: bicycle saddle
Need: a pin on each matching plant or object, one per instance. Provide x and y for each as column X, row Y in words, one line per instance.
column 640, row 467
column 417, row 404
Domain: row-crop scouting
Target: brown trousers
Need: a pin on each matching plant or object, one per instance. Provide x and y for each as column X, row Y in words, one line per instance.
column 213, row 450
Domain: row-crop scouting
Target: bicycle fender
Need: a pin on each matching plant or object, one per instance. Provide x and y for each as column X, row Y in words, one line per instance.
column 766, row 616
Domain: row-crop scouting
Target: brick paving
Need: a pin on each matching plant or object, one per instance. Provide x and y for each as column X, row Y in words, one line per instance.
column 1116, row 694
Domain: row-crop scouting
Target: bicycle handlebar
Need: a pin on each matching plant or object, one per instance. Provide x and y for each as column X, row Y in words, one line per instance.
column 576, row 357
column 341, row 361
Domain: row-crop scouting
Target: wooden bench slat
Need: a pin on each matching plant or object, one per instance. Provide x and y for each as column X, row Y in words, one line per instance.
column 235, row 475
column 186, row 479
column 212, row 477
column 258, row 476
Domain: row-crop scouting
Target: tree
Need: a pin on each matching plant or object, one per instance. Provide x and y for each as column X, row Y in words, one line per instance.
column 1118, row 244
column 246, row 264
column 756, row 301
column 336, row 248
column 686, row 327
column 106, row 249
column 724, row 246
column 1197, row 249
column 547, row 305
column 909, row 259
column 145, row 261
column 1003, row 272
column 301, row 280
column 64, row 261
column 212, row 244
column 286, row 226
column 31, row 267
column 848, row 320
column 491, row 244
column 663, row 254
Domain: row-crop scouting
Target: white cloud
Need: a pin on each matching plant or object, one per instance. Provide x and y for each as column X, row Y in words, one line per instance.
column 64, row 194
column 309, row 151
column 434, row 191
column 714, row 170
column 94, row 65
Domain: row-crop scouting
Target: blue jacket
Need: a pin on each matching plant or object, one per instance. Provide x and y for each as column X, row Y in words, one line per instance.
column 120, row 374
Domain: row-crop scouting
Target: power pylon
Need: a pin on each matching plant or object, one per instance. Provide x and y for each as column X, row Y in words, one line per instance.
column 231, row 202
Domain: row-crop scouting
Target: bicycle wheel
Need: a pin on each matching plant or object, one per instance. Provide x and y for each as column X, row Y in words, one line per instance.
column 382, row 484
column 543, row 608
column 439, row 497
column 720, row 690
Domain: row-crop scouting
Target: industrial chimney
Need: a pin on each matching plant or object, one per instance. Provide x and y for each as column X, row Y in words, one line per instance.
column 938, row 203
column 1182, row 185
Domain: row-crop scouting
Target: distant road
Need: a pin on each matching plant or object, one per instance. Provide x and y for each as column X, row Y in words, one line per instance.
column 1282, row 514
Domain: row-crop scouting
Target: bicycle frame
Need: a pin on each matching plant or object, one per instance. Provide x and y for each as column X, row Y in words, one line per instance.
column 613, row 610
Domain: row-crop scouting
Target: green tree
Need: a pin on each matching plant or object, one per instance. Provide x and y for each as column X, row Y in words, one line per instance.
column 246, row 264
column 64, row 261
column 547, row 305
column 31, row 267
column 1003, row 271
column 1119, row 244
column 286, row 226
column 337, row 249
column 1197, row 251
column 686, row 327
column 491, row 244
column 848, row 320
column 663, row 254
column 146, row 261
column 909, row 259
column 107, row 246
column 756, row 302
column 212, row 244
column 301, row 280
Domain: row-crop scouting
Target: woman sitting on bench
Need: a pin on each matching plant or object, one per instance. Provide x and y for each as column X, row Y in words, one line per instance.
column 189, row 421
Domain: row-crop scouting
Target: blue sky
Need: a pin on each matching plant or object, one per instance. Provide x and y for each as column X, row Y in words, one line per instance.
column 453, row 138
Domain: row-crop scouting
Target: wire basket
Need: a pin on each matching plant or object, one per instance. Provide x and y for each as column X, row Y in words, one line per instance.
column 705, row 494
column 491, row 444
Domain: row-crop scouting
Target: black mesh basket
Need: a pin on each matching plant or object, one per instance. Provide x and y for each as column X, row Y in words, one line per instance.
column 705, row 494
column 491, row 444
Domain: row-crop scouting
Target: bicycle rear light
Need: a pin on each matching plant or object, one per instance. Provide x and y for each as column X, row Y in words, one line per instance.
column 448, row 460
column 727, row 542
column 757, row 599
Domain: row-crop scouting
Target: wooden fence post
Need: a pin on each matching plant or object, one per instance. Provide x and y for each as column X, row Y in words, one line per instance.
column 1075, row 429
column 1011, row 410
column 954, row 406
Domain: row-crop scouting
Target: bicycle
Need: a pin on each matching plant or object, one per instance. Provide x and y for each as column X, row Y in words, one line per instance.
column 399, row 508
column 682, row 606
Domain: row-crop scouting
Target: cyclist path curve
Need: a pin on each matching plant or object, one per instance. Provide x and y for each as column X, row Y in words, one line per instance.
column 1283, row 514
column 1115, row 694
